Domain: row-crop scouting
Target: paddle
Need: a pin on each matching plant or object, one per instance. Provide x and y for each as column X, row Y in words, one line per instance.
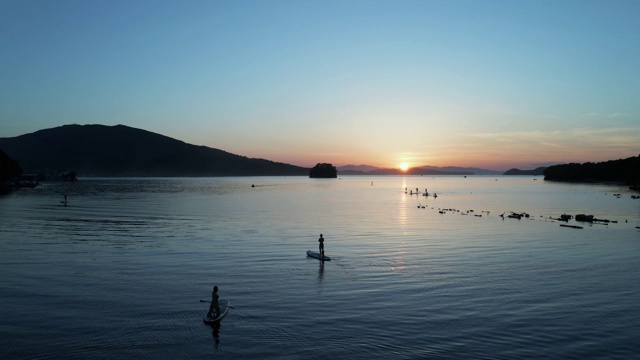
column 207, row 301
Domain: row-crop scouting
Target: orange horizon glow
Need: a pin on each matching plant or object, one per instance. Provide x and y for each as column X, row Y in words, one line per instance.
column 500, row 157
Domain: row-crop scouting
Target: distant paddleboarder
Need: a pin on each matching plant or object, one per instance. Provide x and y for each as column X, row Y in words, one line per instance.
column 321, row 245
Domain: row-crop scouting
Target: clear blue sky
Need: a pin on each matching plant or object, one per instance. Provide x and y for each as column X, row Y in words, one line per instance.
column 492, row 83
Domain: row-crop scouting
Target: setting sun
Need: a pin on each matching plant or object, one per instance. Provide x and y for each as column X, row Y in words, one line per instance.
column 404, row 166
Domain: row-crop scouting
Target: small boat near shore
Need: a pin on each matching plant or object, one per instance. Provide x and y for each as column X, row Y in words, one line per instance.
column 584, row 218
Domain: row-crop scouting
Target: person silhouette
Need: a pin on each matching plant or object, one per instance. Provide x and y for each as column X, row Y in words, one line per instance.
column 321, row 245
column 214, row 303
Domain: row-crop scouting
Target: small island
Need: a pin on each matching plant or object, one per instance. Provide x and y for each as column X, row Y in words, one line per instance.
column 323, row 170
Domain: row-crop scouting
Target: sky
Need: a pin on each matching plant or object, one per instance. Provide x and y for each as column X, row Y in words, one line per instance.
column 494, row 84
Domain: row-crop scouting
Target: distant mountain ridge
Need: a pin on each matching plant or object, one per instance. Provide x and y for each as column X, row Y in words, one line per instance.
column 421, row 170
column 537, row 171
column 473, row 170
column 100, row 150
column 359, row 168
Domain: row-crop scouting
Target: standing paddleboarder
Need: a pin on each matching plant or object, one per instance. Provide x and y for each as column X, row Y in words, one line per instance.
column 214, row 303
column 321, row 245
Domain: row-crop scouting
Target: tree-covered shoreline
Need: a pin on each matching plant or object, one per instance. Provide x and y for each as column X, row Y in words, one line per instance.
column 623, row 170
column 9, row 168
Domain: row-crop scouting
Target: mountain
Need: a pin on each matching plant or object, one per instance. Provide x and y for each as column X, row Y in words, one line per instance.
column 536, row 171
column 422, row 170
column 99, row 150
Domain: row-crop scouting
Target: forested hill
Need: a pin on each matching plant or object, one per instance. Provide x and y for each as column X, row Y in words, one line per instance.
column 535, row 172
column 623, row 170
column 99, row 150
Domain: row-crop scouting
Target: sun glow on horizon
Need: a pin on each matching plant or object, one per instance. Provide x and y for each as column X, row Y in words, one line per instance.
column 404, row 166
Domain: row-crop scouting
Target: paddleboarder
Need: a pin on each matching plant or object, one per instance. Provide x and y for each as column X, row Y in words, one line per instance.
column 214, row 303
column 321, row 245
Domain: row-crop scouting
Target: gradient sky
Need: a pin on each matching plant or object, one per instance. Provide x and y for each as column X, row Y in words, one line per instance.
column 493, row 83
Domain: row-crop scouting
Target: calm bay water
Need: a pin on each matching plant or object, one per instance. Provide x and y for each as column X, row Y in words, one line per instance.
column 119, row 273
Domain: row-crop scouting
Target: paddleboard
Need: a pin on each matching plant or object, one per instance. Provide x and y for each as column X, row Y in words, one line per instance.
column 316, row 255
column 224, row 305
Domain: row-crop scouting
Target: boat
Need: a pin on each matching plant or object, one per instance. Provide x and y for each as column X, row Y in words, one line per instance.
column 585, row 218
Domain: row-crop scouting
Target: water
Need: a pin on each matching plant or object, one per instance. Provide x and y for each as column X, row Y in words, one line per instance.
column 120, row 272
